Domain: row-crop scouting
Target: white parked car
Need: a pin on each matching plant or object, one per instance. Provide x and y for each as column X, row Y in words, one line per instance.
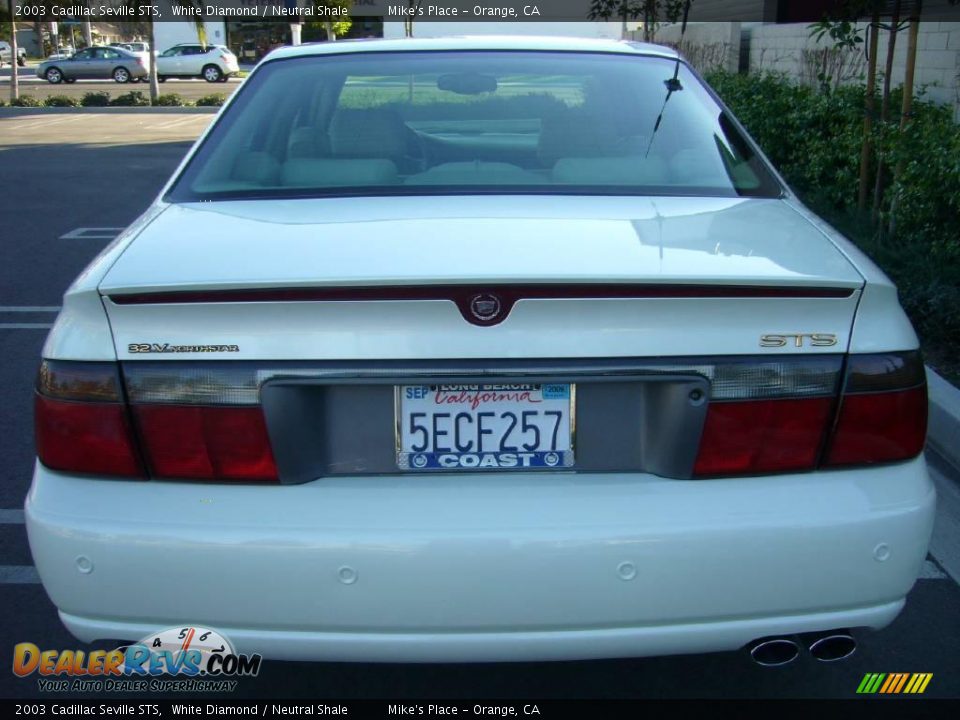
column 6, row 54
column 140, row 49
column 481, row 349
column 213, row 63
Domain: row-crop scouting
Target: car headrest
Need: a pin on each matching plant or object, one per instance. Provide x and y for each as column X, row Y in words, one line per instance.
column 375, row 133
column 307, row 141
column 582, row 135
column 256, row 166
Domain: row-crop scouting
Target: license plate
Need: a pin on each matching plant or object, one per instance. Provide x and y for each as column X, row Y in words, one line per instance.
column 484, row 427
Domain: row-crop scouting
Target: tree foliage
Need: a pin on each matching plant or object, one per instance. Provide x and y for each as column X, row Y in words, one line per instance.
column 331, row 29
column 650, row 12
column 814, row 139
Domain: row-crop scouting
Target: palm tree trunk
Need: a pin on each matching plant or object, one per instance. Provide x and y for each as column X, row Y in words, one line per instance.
column 885, row 105
column 154, row 82
column 14, row 68
column 907, row 106
column 869, row 102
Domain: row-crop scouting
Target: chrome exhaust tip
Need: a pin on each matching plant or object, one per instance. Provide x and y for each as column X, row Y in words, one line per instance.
column 772, row 652
column 833, row 646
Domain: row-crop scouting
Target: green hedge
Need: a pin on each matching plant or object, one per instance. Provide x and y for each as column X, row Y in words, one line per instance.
column 134, row 98
column 171, row 100
column 215, row 100
column 95, row 99
column 61, row 101
column 26, row 101
column 814, row 139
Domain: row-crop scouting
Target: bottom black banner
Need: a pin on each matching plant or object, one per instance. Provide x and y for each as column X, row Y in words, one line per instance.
column 867, row 708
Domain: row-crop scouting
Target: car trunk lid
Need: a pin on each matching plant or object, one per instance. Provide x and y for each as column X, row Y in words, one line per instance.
column 375, row 278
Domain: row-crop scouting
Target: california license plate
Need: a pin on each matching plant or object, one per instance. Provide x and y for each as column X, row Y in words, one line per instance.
column 484, row 427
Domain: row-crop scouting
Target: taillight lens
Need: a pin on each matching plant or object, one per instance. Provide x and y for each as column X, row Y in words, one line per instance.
column 184, row 425
column 200, row 421
column 756, row 427
column 81, row 423
column 883, row 411
column 762, row 436
column 206, row 443
column 767, row 415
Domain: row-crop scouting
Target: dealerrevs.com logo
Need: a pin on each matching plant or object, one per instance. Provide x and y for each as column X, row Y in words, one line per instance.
column 185, row 659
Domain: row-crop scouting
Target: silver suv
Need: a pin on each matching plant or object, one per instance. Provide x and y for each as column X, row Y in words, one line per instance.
column 213, row 63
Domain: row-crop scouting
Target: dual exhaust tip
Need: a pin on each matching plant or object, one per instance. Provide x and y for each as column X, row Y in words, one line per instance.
column 825, row 647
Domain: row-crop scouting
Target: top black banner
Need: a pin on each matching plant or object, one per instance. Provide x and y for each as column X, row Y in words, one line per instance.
column 298, row 11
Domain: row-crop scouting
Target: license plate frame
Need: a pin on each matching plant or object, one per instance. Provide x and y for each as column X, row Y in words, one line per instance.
column 560, row 456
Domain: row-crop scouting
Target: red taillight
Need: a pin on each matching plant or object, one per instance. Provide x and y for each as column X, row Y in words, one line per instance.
column 206, row 443
column 187, row 429
column 80, row 422
column 881, row 417
column 762, row 436
column 883, row 412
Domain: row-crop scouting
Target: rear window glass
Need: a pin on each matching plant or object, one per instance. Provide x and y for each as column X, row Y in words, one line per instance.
column 472, row 122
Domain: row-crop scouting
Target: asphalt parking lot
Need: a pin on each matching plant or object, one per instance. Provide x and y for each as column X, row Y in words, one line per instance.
column 66, row 187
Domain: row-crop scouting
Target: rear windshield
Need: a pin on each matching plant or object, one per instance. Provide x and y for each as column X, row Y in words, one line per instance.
column 472, row 122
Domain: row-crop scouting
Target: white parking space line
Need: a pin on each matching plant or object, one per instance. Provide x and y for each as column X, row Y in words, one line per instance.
column 12, row 516
column 178, row 121
column 29, row 308
column 47, row 122
column 92, row 233
column 25, row 326
column 930, row 571
column 18, row 575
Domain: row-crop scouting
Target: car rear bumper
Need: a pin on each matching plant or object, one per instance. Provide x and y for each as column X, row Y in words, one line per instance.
column 483, row 567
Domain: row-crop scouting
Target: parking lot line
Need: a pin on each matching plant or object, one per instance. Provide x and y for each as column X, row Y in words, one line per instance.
column 19, row 575
column 930, row 571
column 11, row 516
column 92, row 233
column 178, row 121
column 47, row 122
column 25, row 326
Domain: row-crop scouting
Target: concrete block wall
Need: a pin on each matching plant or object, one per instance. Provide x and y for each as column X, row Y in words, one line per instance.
column 789, row 49
column 780, row 48
column 708, row 45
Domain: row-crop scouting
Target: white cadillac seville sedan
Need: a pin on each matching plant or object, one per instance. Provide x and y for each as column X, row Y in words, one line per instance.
column 481, row 349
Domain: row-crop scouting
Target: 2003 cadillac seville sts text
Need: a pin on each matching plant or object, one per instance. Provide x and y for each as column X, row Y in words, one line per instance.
column 529, row 354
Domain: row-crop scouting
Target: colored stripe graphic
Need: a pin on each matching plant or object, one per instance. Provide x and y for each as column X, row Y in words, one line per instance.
column 903, row 680
column 892, row 679
column 894, row 683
